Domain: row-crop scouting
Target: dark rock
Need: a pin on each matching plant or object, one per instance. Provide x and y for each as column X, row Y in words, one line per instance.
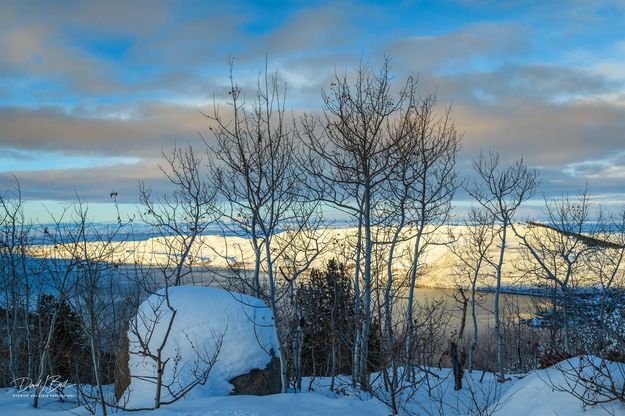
column 122, row 373
column 259, row 382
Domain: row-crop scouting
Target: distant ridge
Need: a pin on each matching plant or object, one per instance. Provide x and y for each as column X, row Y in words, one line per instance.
column 589, row 241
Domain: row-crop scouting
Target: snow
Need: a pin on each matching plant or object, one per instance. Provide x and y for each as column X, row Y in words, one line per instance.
column 306, row 404
column 203, row 317
column 22, row 406
column 539, row 393
column 434, row 395
column 534, row 394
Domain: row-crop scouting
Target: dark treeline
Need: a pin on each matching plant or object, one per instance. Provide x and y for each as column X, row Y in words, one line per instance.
column 383, row 153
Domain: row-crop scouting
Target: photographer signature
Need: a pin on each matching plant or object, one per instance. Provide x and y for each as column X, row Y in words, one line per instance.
column 50, row 384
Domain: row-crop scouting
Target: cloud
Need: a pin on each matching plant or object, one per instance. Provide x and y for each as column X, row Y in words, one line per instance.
column 127, row 79
column 136, row 130
column 608, row 168
column 91, row 184
column 459, row 51
column 548, row 135
column 56, row 50
column 34, row 51
column 326, row 27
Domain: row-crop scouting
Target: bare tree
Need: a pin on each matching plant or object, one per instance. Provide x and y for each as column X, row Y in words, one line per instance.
column 418, row 193
column 555, row 251
column 96, row 288
column 349, row 155
column 18, row 282
column 431, row 146
column 472, row 251
column 73, row 257
column 182, row 216
column 605, row 263
column 592, row 380
column 59, row 269
column 501, row 190
column 257, row 175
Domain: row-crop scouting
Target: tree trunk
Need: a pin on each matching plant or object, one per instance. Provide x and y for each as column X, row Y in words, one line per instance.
column 284, row 377
column 356, row 351
column 96, row 371
column 474, row 335
column 44, row 356
column 498, row 335
column 410, row 307
column 366, row 327
column 456, row 365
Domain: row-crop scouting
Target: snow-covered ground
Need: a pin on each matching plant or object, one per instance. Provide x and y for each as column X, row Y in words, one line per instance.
column 307, row 404
column 534, row 394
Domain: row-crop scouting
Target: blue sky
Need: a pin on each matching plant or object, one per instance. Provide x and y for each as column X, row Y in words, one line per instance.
column 92, row 92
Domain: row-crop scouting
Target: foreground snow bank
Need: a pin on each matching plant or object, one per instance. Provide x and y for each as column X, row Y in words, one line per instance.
column 548, row 392
column 434, row 393
column 534, row 394
column 199, row 329
column 305, row 404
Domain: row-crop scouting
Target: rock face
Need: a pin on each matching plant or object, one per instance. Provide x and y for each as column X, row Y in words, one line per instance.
column 122, row 376
column 259, row 382
column 234, row 330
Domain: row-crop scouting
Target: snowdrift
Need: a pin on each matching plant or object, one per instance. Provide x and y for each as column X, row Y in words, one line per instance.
column 548, row 392
column 196, row 329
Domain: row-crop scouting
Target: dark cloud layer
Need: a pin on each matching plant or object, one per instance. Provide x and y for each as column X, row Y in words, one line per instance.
column 140, row 131
column 91, row 184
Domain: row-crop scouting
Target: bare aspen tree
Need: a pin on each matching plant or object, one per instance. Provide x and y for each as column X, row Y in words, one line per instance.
column 385, row 159
column 394, row 229
column 431, row 147
column 181, row 216
column 474, row 262
column 595, row 379
column 419, row 190
column 395, row 211
column 59, row 269
column 256, row 172
column 349, row 155
column 555, row 250
column 501, row 189
column 606, row 264
column 93, row 263
column 299, row 248
column 18, row 282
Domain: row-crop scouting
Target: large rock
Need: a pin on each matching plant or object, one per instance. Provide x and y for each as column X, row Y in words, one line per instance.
column 259, row 382
column 205, row 317
column 122, row 373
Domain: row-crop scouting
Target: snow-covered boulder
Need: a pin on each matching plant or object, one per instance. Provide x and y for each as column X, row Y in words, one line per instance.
column 197, row 329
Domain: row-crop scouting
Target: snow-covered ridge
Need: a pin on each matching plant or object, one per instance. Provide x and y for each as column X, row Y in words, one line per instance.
column 222, row 251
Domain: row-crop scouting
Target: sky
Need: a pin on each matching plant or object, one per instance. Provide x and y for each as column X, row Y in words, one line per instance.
column 92, row 93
